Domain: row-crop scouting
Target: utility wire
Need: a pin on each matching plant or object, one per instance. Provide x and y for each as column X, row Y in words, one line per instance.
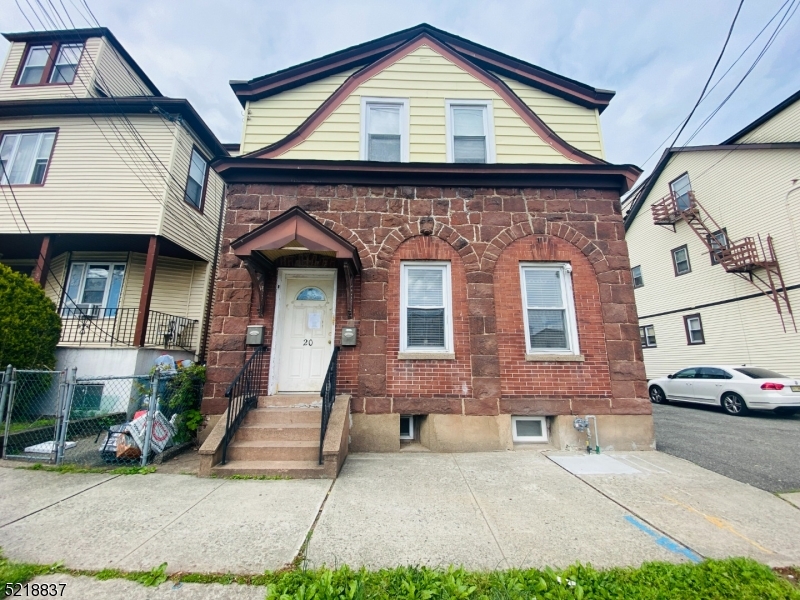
column 711, row 75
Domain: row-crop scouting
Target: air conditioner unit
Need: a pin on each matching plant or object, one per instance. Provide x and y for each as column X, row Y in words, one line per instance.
column 89, row 311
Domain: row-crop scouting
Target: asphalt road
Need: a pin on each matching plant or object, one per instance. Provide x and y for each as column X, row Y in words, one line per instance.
column 761, row 449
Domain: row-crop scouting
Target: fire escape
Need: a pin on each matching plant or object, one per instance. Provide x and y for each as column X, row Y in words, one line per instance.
column 755, row 264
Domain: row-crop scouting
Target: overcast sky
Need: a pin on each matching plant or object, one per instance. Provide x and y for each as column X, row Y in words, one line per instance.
column 655, row 55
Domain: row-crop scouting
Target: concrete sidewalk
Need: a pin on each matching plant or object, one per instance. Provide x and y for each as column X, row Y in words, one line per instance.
column 483, row 511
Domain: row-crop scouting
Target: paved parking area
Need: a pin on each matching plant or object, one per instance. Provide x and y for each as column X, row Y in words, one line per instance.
column 760, row 449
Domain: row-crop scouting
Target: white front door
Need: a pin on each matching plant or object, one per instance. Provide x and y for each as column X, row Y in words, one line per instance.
column 305, row 328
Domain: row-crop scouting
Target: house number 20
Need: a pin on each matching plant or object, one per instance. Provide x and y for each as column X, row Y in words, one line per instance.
column 308, row 342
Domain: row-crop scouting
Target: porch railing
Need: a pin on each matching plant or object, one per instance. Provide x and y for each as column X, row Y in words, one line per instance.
column 328, row 394
column 117, row 326
column 242, row 394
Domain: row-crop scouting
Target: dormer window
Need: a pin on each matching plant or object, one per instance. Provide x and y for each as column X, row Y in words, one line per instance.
column 50, row 64
column 66, row 63
column 35, row 65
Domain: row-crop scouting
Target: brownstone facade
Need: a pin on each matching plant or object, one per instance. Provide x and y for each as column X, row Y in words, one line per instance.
column 484, row 233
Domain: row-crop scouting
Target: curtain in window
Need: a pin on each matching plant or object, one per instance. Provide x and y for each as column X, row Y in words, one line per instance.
column 383, row 133
column 469, row 137
column 547, row 315
column 425, row 308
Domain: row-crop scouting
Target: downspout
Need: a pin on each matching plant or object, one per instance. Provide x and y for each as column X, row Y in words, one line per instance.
column 213, row 277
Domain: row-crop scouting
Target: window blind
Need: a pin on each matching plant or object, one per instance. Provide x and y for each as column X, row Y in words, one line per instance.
column 547, row 318
column 425, row 308
column 469, row 135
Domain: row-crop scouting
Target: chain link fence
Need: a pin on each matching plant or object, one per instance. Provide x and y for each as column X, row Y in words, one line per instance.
column 57, row 417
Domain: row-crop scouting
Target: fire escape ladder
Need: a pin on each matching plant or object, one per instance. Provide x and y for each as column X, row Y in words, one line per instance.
column 741, row 257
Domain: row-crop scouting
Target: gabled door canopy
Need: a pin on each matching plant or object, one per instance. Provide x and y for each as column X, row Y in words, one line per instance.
column 293, row 232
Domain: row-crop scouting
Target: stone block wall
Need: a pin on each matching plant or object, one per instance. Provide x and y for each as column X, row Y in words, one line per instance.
column 484, row 233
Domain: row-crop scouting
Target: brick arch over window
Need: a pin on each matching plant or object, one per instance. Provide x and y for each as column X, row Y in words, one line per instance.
column 562, row 387
column 352, row 237
column 428, row 226
column 589, row 248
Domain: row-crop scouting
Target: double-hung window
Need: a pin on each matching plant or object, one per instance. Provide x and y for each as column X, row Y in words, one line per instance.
column 24, row 157
column 647, row 333
column 93, row 289
column 384, row 127
column 426, row 320
column 470, row 138
column 636, row 275
column 66, row 63
column 35, row 65
column 680, row 260
column 718, row 242
column 549, row 315
column 681, row 187
column 694, row 329
column 195, row 183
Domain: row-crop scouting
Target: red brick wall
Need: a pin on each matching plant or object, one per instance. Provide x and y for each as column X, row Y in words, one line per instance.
column 484, row 233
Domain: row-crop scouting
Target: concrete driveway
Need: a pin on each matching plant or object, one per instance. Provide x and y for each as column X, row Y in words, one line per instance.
column 759, row 449
column 483, row 511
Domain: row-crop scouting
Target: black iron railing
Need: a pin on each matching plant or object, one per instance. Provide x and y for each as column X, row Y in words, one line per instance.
column 328, row 394
column 242, row 395
column 117, row 327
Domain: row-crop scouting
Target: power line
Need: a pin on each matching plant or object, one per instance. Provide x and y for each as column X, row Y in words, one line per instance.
column 711, row 75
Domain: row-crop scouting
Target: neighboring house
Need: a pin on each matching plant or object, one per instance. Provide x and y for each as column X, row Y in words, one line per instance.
column 717, row 282
column 108, row 200
column 450, row 208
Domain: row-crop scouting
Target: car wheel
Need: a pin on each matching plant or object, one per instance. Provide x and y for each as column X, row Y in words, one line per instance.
column 657, row 395
column 733, row 404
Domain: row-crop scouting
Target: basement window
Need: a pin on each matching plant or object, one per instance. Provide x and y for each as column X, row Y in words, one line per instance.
column 406, row 427
column 529, row 429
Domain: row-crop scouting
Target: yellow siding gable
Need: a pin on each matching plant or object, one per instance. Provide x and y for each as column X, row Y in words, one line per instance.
column 575, row 124
column 783, row 127
column 427, row 79
column 271, row 119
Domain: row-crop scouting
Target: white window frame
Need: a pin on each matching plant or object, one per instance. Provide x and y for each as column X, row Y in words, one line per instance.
column 569, row 302
column 529, row 438
column 643, row 333
column 410, row 435
column 633, row 277
column 69, row 302
column 488, row 123
column 14, row 155
column 78, row 46
column 405, row 267
column 404, row 124
column 25, row 66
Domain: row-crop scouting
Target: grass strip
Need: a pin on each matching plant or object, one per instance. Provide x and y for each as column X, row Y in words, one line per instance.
column 739, row 578
column 69, row 468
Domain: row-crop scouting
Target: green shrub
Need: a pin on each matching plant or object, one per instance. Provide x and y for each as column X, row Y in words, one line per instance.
column 29, row 324
column 184, row 392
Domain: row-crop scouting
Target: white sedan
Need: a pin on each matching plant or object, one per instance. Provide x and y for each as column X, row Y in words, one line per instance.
column 737, row 389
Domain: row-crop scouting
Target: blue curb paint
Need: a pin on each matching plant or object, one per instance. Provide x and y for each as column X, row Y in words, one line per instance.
column 664, row 541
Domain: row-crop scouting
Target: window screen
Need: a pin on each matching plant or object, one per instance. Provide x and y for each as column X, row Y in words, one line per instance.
column 383, row 132
column 469, row 134
column 546, row 309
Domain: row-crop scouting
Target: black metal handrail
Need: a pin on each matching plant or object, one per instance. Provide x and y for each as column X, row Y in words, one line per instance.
column 328, row 394
column 117, row 327
column 242, row 395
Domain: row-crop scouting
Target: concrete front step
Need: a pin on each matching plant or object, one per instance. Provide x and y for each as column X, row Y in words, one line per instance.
column 306, row 432
column 273, row 450
column 278, row 415
column 294, row 469
column 298, row 400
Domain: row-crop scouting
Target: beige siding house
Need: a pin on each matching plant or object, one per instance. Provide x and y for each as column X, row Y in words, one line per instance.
column 745, row 187
column 111, row 204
